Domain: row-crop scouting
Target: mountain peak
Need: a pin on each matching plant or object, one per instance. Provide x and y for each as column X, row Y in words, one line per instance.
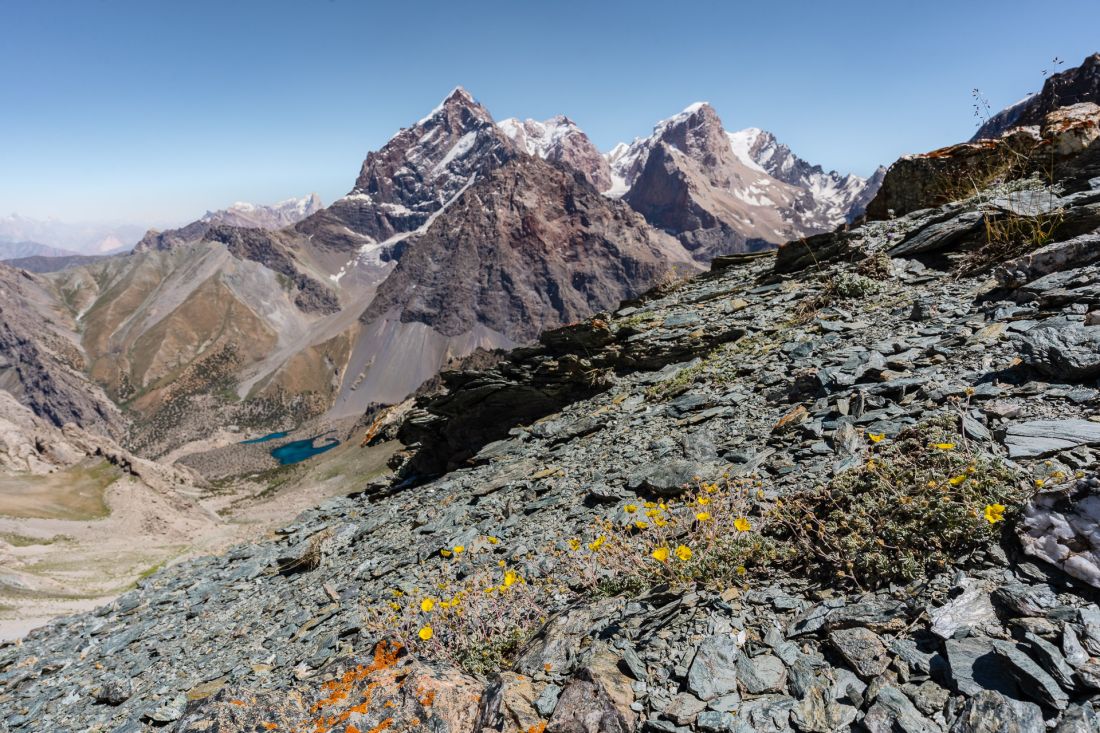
column 558, row 139
column 457, row 99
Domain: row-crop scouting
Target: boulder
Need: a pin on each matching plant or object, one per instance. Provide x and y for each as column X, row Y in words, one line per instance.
column 1065, row 353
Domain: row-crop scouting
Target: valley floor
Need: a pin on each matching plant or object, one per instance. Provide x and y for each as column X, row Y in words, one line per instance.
column 73, row 540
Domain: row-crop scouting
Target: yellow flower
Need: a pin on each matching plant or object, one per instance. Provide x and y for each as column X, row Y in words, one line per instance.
column 425, row 633
column 641, row 525
column 683, row 552
column 956, row 480
column 652, row 513
column 994, row 513
column 702, row 516
column 703, row 501
column 871, row 465
column 427, row 605
column 741, row 524
column 1039, row 483
column 659, row 522
column 710, row 488
column 574, row 544
column 510, row 578
column 597, row 543
column 445, row 553
column 876, row 437
column 660, row 554
column 740, row 570
column 459, row 549
column 492, row 540
column 649, row 505
column 630, row 508
column 945, row 446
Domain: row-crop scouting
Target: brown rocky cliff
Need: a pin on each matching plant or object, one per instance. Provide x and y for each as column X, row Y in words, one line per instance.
column 529, row 247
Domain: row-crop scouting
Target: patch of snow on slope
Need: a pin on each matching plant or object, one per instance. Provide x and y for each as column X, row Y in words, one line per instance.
column 464, row 145
column 741, row 142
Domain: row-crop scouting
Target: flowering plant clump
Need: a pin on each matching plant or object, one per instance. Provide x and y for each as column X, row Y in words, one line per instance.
column 705, row 536
column 919, row 502
column 476, row 622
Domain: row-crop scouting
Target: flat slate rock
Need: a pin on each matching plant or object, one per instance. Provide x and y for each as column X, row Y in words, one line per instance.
column 1046, row 437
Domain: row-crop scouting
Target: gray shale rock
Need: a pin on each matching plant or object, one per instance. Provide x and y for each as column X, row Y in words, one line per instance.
column 862, row 649
column 1045, row 437
column 713, row 671
column 992, row 712
column 1063, row 353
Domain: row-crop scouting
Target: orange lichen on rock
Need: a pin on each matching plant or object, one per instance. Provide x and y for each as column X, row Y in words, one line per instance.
column 382, row 726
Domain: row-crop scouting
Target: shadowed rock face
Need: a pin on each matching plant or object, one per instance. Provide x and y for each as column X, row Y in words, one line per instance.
column 529, row 247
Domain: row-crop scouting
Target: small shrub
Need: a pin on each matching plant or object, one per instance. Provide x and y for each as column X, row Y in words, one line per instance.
column 842, row 286
column 714, row 535
column 916, row 505
column 477, row 623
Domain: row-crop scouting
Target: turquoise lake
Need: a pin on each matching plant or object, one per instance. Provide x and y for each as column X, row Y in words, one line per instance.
column 299, row 450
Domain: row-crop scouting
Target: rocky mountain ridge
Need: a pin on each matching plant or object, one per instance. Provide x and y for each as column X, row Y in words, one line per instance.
column 241, row 214
column 724, row 192
column 839, row 198
column 846, row 486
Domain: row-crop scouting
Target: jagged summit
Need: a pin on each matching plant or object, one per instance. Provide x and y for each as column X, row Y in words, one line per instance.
column 457, row 97
column 415, row 174
column 558, row 139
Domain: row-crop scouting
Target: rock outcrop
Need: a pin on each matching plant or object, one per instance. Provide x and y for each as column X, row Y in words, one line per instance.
column 559, row 140
column 1073, row 86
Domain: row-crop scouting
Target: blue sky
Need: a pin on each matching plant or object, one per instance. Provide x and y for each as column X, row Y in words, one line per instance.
column 155, row 111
